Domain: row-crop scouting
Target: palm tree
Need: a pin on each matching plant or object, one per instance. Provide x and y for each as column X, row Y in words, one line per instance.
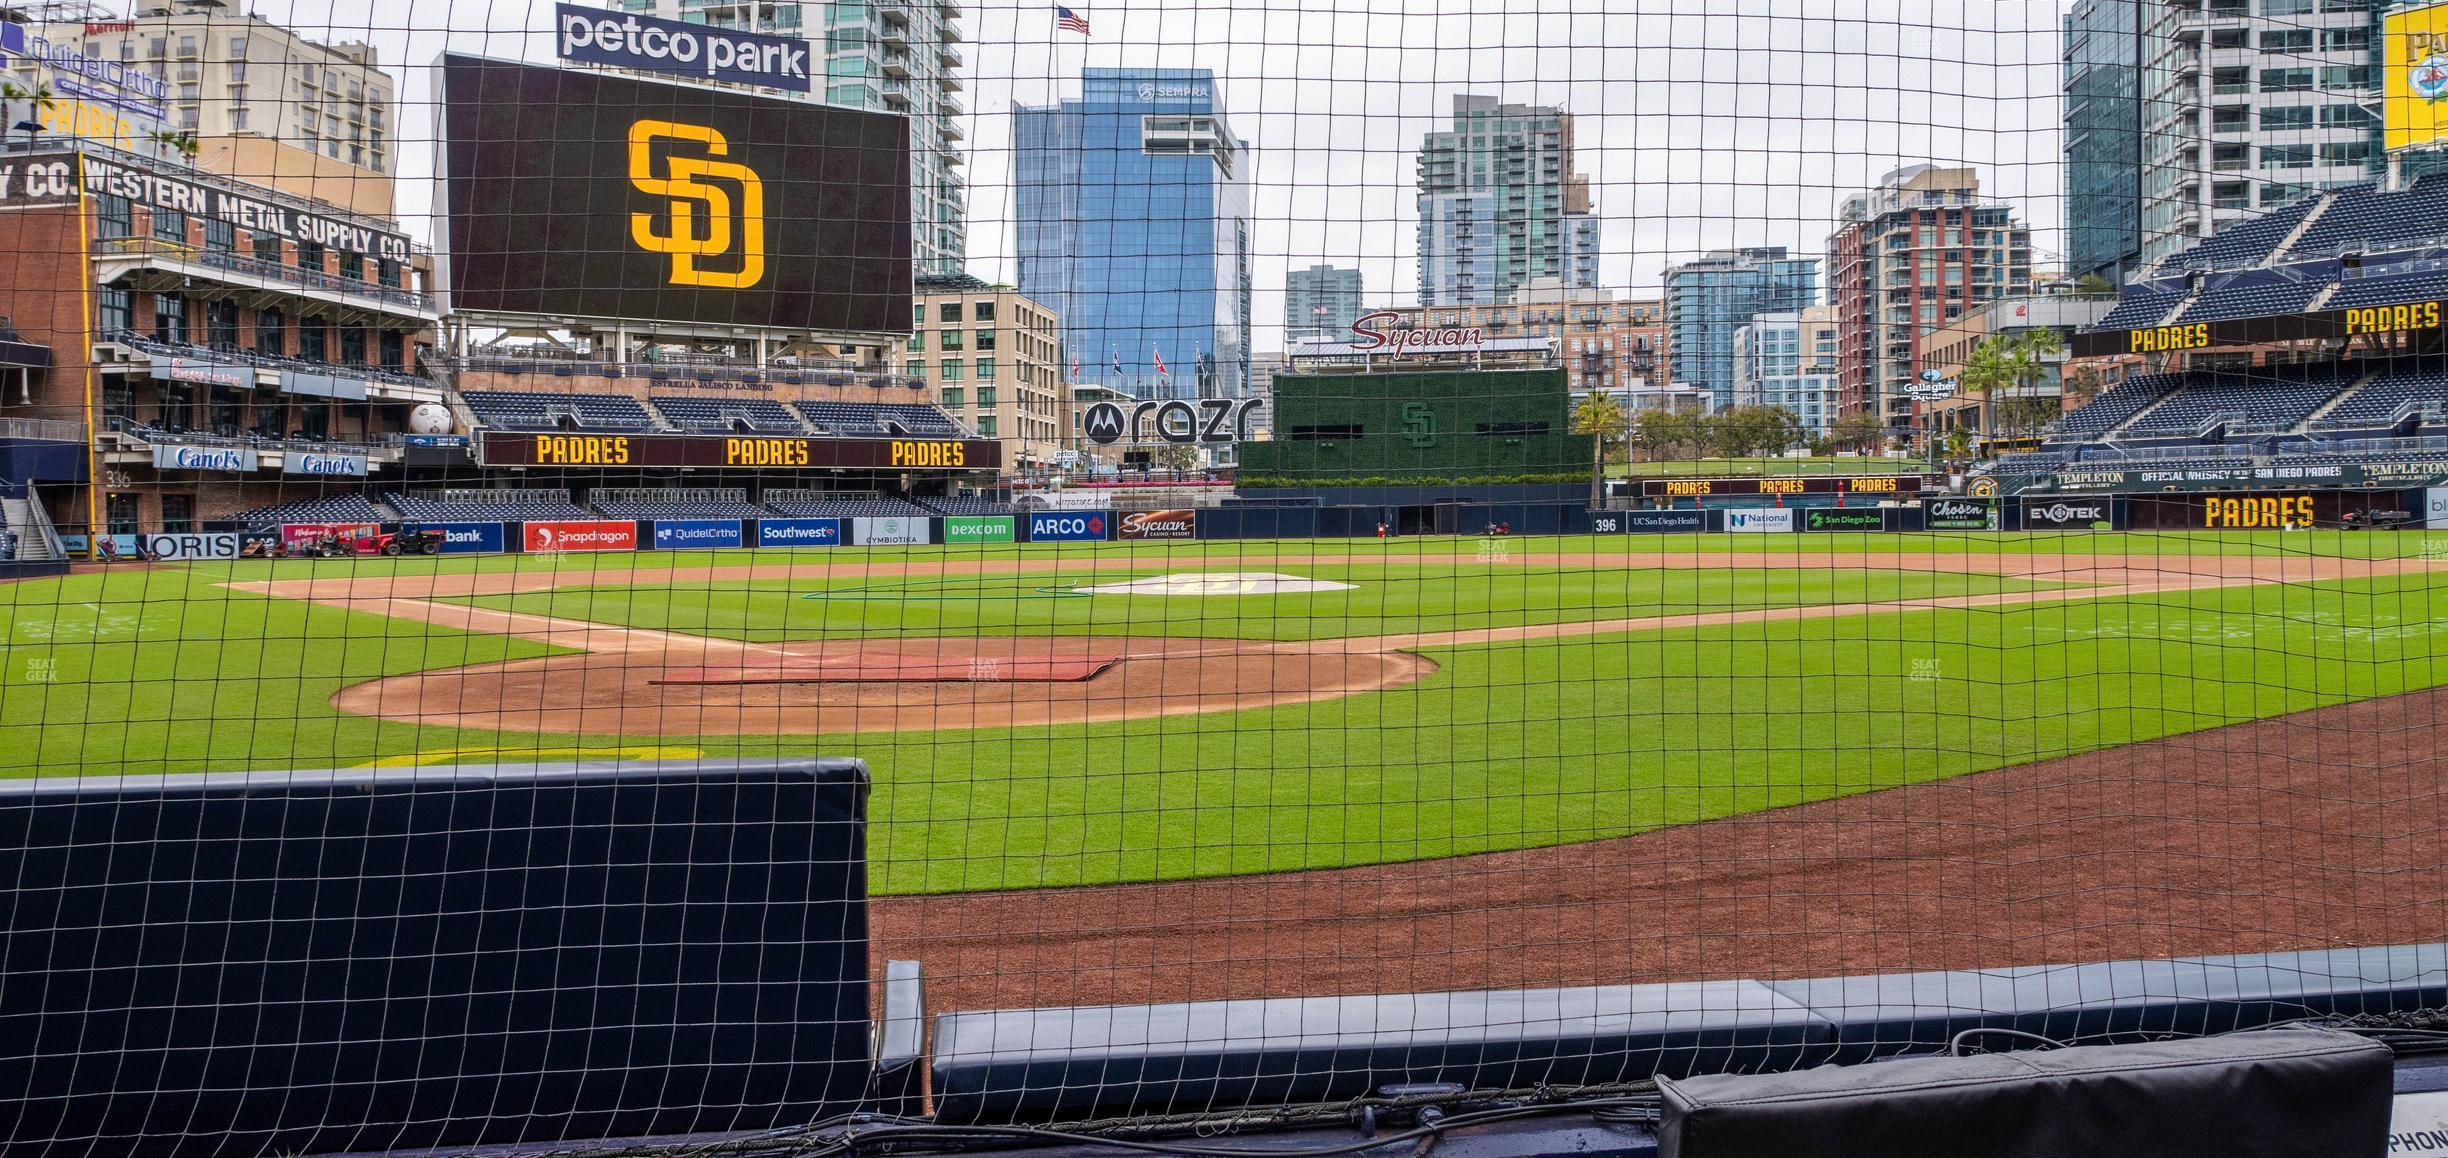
column 181, row 142
column 1986, row 370
column 1602, row 420
column 37, row 96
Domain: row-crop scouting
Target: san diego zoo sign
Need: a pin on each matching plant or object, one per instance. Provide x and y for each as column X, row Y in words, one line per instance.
column 1212, row 421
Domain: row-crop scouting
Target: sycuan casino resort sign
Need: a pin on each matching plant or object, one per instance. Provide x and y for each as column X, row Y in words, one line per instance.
column 505, row 448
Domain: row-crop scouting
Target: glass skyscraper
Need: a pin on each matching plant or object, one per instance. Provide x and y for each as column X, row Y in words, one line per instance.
column 1133, row 211
column 2103, row 137
column 1321, row 301
column 1500, row 203
column 1709, row 299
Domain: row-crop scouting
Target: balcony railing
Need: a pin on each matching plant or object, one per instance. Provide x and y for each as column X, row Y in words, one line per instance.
column 247, row 266
column 147, row 345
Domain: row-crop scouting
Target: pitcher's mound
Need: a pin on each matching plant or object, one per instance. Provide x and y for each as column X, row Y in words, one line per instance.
column 888, row 667
column 1218, row 583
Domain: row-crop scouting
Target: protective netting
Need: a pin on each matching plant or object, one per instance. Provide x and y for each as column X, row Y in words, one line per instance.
column 1518, row 510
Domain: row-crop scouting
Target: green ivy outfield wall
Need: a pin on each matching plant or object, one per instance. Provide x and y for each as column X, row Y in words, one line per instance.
column 1495, row 425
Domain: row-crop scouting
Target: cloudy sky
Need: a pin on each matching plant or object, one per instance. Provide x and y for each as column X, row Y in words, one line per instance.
column 1701, row 123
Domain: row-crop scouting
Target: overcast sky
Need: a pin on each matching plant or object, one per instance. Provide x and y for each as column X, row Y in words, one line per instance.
column 1702, row 124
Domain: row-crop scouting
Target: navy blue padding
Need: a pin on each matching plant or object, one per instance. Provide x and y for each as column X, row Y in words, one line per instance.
column 1010, row 1064
column 1917, row 1012
column 312, row 962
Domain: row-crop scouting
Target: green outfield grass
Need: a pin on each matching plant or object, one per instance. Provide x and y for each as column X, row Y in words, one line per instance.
column 1383, row 600
column 1505, row 746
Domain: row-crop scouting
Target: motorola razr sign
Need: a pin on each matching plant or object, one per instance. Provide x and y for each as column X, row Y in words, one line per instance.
column 623, row 40
column 1209, row 420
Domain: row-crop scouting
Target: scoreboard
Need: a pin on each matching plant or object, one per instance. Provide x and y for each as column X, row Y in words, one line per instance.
column 1681, row 488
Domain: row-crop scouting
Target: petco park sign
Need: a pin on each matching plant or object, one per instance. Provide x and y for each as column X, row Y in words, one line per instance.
column 1370, row 339
column 594, row 36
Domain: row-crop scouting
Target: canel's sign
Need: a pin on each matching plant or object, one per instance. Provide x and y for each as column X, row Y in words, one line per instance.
column 1371, row 339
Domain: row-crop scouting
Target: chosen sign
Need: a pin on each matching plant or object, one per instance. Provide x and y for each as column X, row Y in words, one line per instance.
column 1953, row 514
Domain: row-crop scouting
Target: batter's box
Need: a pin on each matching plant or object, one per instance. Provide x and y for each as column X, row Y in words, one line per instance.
column 895, row 668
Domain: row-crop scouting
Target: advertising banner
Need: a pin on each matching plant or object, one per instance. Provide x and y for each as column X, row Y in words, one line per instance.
column 180, row 548
column 296, row 535
column 2323, row 474
column 1688, row 488
column 979, row 529
column 889, row 532
column 220, row 458
column 1606, row 522
column 698, row 51
column 799, row 532
column 203, row 371
column 1957, row 514
column 2068, row 514
column 203, row 194
column 350, row 465
column 580, row 535
column 2414, row 76
column 2435, row 507
column 464, row 538
column 1665, row 522
column 697, row 534
column 1068, row 527
column 28, row 182
column 594, row 195
column 1157, row 525
column 1843, row 519
column 1760, row 520
column 506, row 448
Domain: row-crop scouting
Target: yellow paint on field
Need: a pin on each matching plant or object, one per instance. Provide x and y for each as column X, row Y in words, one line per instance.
column 530, row 755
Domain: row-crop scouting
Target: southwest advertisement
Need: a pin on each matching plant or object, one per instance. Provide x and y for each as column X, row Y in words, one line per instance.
column 577, row 193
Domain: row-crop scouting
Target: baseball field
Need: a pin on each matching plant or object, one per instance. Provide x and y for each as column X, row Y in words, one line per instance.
column 1153, row 771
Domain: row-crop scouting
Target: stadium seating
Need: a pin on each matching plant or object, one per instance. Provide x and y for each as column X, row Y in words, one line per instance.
column 327, row 509
column 2376, row 404
column 418, row 509
column 2367, row 219
column 2123, row 401
column 533, row 410
column 971, row 506
column 2426, row 285
column 2267, row 402
column 2141, row 306
column 725, row 415
column 879, row 419
column 2247, row 243
column 868, row 506
column 2265, row 295
column 681, row 510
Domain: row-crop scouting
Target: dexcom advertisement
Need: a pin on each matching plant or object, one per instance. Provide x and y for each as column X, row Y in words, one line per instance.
column 575, row 193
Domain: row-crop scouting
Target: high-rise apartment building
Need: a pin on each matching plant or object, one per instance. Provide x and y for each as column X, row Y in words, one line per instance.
column 264, row 104
column 1907, row 258
column 1500, row 204
column 897, row 56
column 2247, row 105
column 1320, row 302
column 1708, row 299
column 1603, row 342
column 989, row 354
column 1788, row 359
column 1133, row 211
column 2105, row 46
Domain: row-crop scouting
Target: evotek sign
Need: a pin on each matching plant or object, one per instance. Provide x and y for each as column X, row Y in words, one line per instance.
column 2060, row 516
column 1372, row 340
column 1209, row 420
column 594, row 36
column 701, row 217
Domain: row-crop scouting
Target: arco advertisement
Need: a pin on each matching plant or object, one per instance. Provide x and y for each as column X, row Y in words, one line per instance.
column 1175, row 524
column 580, row 535
column 1069, row 527
column 979, row 529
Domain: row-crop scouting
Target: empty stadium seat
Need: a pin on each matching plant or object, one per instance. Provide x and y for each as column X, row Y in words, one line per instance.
column 2141, row 306
column 879, row 419
column 2377, row 403
column 2123, row 401
column 2245, row 243
column 2260, row 296
column 2267, row 401
column 2427, row 285
column 535, row 410
column 417, row 509
column 2368, row 219
column 726, row 415
column 326, row 509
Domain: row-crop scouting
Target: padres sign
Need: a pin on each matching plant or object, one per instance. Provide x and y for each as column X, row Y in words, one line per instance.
column 588, row 195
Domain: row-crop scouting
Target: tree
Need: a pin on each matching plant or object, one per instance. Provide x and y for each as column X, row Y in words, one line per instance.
column 1859, row 430
column 1178, row 456
column 1600, row 419
column 1667, row 433
column 2092, row 285
column 2078, row 386
column 1986, row 370
column 180, row 142
column 38, row 97
column 1959, row 443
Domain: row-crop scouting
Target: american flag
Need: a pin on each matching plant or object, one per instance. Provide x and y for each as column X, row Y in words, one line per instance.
column 1070, row 21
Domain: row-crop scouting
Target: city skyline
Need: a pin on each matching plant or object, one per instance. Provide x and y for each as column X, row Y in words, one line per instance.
column 1677, row 132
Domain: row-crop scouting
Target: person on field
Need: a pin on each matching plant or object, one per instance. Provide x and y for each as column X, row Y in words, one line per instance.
column 1381, row 530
